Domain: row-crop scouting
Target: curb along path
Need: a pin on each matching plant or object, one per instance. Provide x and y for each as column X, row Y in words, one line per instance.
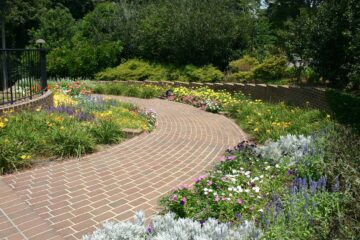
column 66, row 200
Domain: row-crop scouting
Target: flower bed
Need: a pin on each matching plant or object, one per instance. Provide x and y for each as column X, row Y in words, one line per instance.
column 75, row 125
column 302, row 183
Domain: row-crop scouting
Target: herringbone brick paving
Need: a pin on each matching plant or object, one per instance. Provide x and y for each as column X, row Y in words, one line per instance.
column 65, row 200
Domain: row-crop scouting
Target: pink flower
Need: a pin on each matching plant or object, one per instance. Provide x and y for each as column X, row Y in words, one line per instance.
column 223, row 179
column 183, row 201
column 173, row 198
column 230, row 158
column 222, row 159
column 198, row 179
column 216, row 199
column 209, row 183
column 239, row 201
column 184, row 186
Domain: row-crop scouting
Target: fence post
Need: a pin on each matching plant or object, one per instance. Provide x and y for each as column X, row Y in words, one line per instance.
column 44, row 85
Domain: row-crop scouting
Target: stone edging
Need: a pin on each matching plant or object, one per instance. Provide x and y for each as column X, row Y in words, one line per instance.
column 291, row 95
column 45, row 100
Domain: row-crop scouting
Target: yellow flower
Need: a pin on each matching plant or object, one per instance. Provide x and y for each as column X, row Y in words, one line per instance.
column 62, row 128
column 268, row 131
column 256, row 129
column 2, row 125
column 25, row 157
column 38, row 109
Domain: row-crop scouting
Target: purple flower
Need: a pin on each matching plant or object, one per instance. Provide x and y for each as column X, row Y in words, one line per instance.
column 231, row 158
column 209, row 182
column 183, row 201
column 150, row 229
column 289, row 172
column 240, row 201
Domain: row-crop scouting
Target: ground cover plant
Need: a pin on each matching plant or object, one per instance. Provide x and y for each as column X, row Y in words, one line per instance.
column 289, row 187
column 168, row 227
column 75, row 125
column 261, row 120
column 130, row 90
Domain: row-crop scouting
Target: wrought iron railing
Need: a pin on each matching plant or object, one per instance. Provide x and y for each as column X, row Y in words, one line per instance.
column 22, row 74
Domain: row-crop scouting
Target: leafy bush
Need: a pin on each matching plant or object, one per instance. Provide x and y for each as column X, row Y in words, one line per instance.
column 143, row 91
column 207, row 73
column 249, row 68
column 271, row 68
column 135, row 69
column 167, row 227
column 244, row 64
column 345, row 107
column 83, row 59
column 190, row 31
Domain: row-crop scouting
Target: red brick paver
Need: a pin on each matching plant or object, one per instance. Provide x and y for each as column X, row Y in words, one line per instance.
column 66, row 200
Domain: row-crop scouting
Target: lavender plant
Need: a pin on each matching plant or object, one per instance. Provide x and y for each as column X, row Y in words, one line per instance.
column 168, row 227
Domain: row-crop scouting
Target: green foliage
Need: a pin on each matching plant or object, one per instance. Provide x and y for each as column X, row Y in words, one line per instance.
column 207, row 73
column 83, row 60
column 191, row 31
column 249, row 68
column 72, row 140
column 342, row 161
column 107, row 132
column 264, row 121
column 345, row 107
column 245, row 64
column 135, row 69
column 143, row 91
column 271, row 68
column 57, row 26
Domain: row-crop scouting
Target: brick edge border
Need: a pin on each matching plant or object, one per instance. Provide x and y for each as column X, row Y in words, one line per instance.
column 45, row 100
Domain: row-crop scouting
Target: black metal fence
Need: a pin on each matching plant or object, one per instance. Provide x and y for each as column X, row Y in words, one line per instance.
column 22, row 74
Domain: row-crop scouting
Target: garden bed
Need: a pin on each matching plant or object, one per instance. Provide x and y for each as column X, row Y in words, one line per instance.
column 76, row 124
column 301, row 183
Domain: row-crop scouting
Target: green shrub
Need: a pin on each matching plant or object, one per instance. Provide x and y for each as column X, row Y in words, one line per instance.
column 134, row 69
column 83, row 59
column 244, row 64
column 272, row 68
column 240, row 77
column 345, row 107
column 208, row 73
column 140, row 91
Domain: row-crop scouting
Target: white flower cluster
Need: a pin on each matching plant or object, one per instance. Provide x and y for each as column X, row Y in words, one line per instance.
column 167, row 227
column 291, row 146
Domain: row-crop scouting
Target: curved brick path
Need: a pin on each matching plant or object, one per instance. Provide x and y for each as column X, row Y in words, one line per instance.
column 68, row 199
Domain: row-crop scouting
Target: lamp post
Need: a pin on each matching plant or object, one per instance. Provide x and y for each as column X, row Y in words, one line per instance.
column 43, row 77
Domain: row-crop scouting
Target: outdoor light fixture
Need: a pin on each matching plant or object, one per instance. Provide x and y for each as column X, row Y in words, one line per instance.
column 40, row 42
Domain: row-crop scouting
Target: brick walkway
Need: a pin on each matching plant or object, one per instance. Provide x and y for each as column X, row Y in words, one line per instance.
column 67, row 199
